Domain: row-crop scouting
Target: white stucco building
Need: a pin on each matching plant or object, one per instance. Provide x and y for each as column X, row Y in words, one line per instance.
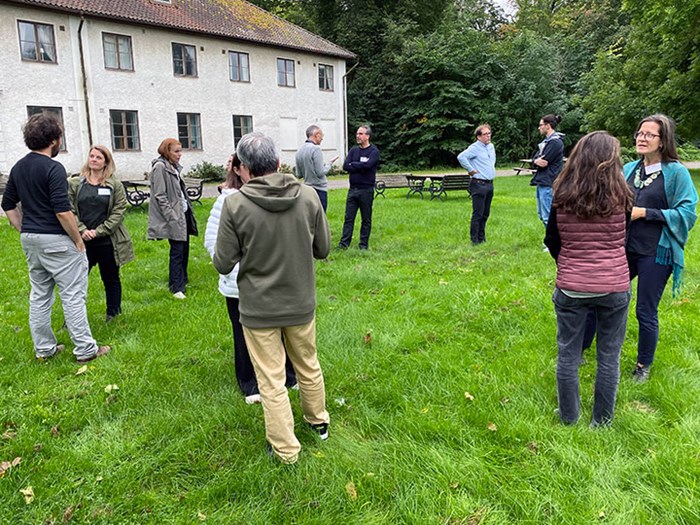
column 129, row 73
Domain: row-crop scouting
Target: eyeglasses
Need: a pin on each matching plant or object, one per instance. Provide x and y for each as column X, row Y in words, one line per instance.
column 645, row 135
column 360, row 133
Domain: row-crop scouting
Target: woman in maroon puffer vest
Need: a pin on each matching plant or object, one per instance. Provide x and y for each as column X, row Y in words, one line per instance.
column 586, row 236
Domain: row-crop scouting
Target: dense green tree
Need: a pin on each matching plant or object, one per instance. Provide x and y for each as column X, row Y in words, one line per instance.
column 654, row 66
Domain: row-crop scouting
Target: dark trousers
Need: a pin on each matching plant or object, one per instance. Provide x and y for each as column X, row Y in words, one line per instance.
column 103, row 256
column 482, row 195
column 651, row 281
column 245, row 373
column 179, row 256
column 611, row 311
column 362, row 199
column 323, row 197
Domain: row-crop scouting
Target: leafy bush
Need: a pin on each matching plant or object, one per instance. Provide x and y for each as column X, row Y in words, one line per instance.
column 208, row 171
column 688, row 152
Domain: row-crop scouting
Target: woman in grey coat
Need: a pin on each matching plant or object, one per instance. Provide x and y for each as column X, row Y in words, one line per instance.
column 170, row 213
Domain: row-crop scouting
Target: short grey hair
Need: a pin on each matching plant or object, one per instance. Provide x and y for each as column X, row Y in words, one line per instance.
column 368, row 130
column 311, row 130
column 257, row 152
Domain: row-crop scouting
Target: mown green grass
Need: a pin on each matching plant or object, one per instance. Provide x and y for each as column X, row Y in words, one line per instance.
column 177, row 443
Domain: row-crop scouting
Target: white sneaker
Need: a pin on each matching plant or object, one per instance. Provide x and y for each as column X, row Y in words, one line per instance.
column 179, row 295
column 255, row 398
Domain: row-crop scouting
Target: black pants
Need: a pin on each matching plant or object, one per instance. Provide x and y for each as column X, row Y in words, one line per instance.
column 245, row 373
column 362, row 199
column 179, row 255
column 482, row 195
column 102, row 255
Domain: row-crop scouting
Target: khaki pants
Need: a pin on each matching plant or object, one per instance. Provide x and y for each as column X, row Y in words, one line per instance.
column 267, row 353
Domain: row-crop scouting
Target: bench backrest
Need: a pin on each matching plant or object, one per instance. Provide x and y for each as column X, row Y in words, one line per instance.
column 456, row 182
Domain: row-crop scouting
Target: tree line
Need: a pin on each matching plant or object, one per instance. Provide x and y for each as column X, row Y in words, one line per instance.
column 429, row 71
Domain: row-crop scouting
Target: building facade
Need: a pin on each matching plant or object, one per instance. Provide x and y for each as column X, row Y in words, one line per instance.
column 128, row 74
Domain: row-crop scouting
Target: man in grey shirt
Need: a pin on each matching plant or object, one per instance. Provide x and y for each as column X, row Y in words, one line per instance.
column 310, row 166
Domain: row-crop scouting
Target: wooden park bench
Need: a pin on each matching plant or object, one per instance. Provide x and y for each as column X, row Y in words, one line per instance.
column 396, row 180
column 449, row 182
column 525, row 167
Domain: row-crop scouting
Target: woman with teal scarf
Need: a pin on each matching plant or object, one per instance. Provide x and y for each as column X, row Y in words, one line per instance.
column 664, row 212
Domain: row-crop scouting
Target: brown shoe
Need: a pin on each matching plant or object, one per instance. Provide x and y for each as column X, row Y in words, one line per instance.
column 59, row 349
column 101, row 350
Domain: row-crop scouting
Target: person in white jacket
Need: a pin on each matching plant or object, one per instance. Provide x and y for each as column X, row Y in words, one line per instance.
column 228, row 287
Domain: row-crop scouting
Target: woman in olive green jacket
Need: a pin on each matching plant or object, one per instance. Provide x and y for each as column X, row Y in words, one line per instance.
column 99, row 202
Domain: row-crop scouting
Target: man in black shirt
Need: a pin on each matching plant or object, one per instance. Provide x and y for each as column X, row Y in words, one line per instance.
column 51, row 241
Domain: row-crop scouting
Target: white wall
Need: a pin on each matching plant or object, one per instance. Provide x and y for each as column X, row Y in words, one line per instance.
column 157, row 95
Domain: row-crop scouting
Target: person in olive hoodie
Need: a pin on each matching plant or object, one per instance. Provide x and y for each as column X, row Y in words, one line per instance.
column 170, row 213
column 99, row 202
column 274, row 227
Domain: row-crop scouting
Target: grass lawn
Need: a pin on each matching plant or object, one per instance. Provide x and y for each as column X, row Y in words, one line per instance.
column 439, row 360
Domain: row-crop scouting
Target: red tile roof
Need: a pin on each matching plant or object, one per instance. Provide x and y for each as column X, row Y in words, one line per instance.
column 229, row 19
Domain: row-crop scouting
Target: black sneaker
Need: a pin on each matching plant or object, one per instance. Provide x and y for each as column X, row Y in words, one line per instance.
column 641, row 373
column 321, row 429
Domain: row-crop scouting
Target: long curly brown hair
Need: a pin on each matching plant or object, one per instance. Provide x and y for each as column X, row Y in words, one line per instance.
column 591, row 183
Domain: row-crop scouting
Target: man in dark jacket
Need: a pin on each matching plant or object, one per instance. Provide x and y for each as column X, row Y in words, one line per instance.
column 548, row 161
column 361, row 163
column 275, row 227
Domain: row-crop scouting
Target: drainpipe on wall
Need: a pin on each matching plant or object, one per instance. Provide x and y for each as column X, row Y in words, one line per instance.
column 345, row 103
column 85, row 88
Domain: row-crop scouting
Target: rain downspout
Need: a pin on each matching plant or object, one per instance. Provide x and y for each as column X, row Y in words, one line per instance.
column 85, row 88
column 345, row 102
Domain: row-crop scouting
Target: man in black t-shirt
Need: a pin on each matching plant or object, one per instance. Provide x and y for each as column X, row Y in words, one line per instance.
column 51, row 241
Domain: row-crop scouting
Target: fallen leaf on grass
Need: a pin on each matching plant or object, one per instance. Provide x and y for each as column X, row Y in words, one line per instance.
column 533, row 447
column 468, row 396
column 28, row 494
column 442, row 283
column 81, row 370
column 367, row 338
column 37, row 447
column 476, row 517
column 99, row 479
column 454, row 485
column 7, row 465
column 68, row 515
column 492, row 426
column 601, row 515
column 505, row 401
column 54, row 430
column 9, row 434
column 111, row 388
column 340, row 401
column 641, row 407
column 201, row 516
column 424, row 410
column 319, row 454
column 351, row 490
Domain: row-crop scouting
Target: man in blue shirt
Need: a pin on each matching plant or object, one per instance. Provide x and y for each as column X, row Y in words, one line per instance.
column 479, row 160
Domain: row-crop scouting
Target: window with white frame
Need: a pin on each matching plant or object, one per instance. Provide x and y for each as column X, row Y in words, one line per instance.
column 184, row 60
column 285, row 72
column 239, row 66
column 125, row 130
column 117, row 52
column 37, row 42
column 54, row 112
column 325, row 77
column 242, row 124
column 189, row 130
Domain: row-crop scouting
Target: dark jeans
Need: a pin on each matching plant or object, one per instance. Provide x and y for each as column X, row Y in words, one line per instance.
column 482, row 194
column 179, row 255
column 611, row 311
column 245, row 373
column 323, row 197
column 362, row 199
column 651, row 281
column 103, row 256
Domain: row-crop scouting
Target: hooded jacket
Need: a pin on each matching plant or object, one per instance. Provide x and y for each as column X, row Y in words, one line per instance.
column 275, row 227
column 550, row 149
column 166, row 218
